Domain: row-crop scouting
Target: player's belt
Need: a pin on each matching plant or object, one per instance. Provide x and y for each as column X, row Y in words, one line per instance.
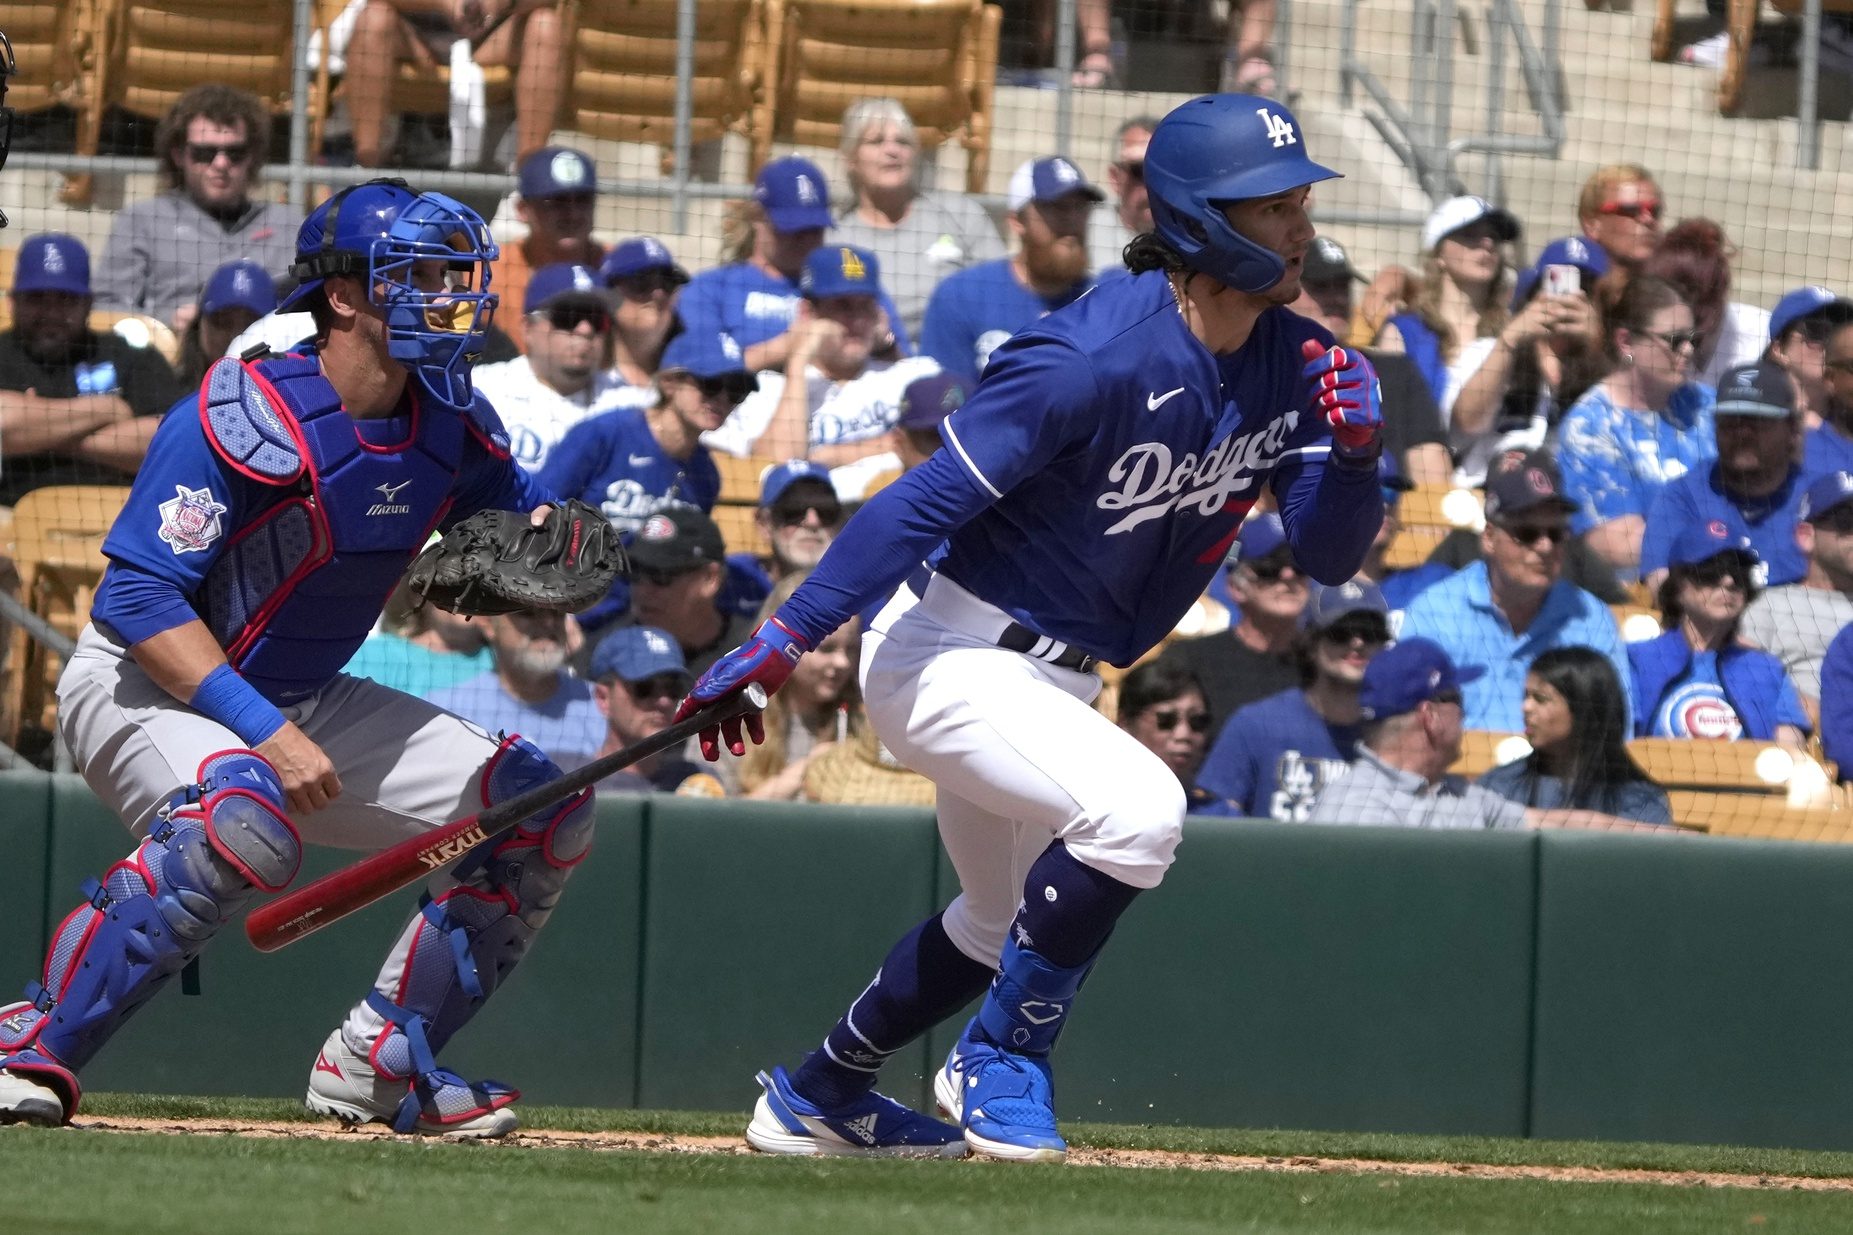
column 1013, row 636
column 1020, row 638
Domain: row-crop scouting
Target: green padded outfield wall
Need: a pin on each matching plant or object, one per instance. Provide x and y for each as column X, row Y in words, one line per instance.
column 1559, row 985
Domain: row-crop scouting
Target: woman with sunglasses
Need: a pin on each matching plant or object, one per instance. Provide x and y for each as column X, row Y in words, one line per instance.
column 1162, row 706
column 645, row 284
column 1576, row 719
column 1640, row 427
column 1699, row 680
column 1695, row 257
column 1619, row 208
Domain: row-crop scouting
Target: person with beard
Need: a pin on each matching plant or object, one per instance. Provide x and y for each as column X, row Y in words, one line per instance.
column 529, row 692
column 975, row 310
column 76, row 406
column 840, row 400
column 1754, row 488
column 556, row 191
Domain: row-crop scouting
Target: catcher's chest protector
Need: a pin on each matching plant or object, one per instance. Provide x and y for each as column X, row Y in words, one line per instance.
column 300, row 584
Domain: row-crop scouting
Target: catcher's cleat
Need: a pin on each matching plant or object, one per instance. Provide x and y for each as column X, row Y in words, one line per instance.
column 1004, row 1100
column 25, row 1101
column 346, row 1085
column 871, row 1127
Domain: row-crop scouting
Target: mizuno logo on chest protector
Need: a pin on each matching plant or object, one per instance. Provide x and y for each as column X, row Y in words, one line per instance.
column 392, row 505
column 1151, row 483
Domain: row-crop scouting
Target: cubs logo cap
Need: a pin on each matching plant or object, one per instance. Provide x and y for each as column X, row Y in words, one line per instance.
column 794, row 195
column 840, row 270
column 929, row 400
column 555, row 171
column 1458, row 212
column 638, row 255
column 1586, row 255
column 239, row 285
column 1705, row 539
column 782, row 476
column 1823, row 494
column 52, row 262
column 1527, row 482
column 1408, row 674
column 675, row 540
column 1049, row 180
column 1806, row 302
column 1760, row 389
column 638, row 653
column 562, row 281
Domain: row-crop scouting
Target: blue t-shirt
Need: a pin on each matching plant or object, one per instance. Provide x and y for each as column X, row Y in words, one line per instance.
column 1695, row 706
column 1837, row 701
column 1095, row 480
column 1615, row 460
column 744, row 301
column 1825, row 449
column 615, row 463
column 976, row 309
column 1769, row 522
column 1274, row 756
column 567, row 726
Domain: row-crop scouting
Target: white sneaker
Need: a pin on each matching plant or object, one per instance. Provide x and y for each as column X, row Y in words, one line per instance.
column 25, row 1101
column 1706, row 53
column 344, row 1085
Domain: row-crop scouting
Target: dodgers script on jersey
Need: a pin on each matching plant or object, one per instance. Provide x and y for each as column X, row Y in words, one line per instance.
column 613, row 462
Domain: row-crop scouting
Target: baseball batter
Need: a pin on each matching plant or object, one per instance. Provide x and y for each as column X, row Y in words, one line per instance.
column 1087, row 493
column 205, row 702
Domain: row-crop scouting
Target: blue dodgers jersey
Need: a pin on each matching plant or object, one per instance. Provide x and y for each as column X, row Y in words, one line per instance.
column 1123, row 455
column 974, row 310
column 613, row 461
column 744, row 301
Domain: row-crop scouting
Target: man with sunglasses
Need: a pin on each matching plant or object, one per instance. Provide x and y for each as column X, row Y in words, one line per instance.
column 1275, row 755
column 209, row 150
column 1754, row 487
column 1109, row 231
column 1800, row 328
column 1796, row 622
column 1620, row 208
column 561, row 378
column 1498, row 614
column 638, row 677
column 678, row 573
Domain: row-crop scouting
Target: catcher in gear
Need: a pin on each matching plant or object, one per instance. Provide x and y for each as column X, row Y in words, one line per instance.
column 206, row 702
column 497, row 561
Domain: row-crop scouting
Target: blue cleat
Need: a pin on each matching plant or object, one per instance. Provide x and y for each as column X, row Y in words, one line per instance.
column 871, row 1127
column 1004, row 1100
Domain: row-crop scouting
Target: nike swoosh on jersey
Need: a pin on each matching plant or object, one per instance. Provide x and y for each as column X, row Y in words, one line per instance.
column 1155, row 401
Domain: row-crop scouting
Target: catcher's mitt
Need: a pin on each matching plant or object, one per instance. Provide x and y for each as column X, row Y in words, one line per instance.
column 497, row 561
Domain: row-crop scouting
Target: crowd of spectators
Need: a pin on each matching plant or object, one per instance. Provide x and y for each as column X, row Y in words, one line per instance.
column 1634, row 432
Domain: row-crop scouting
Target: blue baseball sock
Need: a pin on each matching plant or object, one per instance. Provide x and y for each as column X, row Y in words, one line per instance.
column 924, row 980
column 1069, row 908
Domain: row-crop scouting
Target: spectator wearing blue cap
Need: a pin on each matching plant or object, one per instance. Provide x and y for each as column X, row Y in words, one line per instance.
column 645, row 283
column 638, row 678
column 1755, row 485
column 76, row 406
column 1254, row 657
column 1643, row 425
column 209, row 149
column 798, row 516
column 388, row 33
column 1411, row 706
column 1695, row 257
column 919, row 235
column 837, row 399
column 1699, row 680
column 1548, row 352
column 925, row 402
column 975, row 310
column 755, row 297
column 556, row 194
column 237, row 294
column 561, row 380
column 1799, row 327
column 529, row 691
column 1498, row 614
column 633, row 462
column 1274, row 756
column 1794, row 623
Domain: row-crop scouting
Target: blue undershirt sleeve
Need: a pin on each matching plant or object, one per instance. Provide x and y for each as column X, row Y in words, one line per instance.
column 1331, row 514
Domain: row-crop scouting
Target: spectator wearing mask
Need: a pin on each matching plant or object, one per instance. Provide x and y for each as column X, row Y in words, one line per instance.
column 1695, row 257
column 1699, row 680
column 529, row 691
column 237, row 294
column 557, row 192
column 1576, row 720
column 1795, row 622
column 1499, row 614
column 1110, row 231
column 1754, row 487
column 1275, row 755
column 1644, row 425
column 975, row 310
column 76, row 406
column 560, row 380
column 1799, row 328
column 1619, row 208
column 209, row 150
column 918, row 236
column 1413, row 433
column 638, row 679
column 1162, row 707
column 646, row 284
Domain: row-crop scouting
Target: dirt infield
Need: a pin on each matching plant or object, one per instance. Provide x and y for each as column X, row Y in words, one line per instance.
column 1150, row 1159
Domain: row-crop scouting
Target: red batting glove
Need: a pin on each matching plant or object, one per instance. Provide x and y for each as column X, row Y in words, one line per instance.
column 767, row 658
column 1343, row 388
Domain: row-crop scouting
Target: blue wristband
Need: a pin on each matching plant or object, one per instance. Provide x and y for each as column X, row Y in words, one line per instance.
column 235, row 703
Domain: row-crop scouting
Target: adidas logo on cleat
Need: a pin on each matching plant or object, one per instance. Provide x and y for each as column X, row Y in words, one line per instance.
column 864, row 1127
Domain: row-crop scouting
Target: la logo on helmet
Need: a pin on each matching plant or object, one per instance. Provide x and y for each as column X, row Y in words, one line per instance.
column 1279, row 128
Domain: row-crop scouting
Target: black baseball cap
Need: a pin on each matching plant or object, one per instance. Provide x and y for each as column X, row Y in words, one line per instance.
column 1529, row 483
column 1327, row 262
column 676, row 540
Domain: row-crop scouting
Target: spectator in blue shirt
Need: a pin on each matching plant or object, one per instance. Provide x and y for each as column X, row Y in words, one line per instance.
column 1799, row 328
column 1162, row 706
column 1645, row 424
column 1754, row 487
column 1501, row 612
column 1828, row 448
column 529, row 692
column 1275, row 755
column 975, row 310
column 1837, row 702
column 1699, row 680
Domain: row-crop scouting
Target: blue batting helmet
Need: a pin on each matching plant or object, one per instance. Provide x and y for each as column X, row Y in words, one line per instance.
column 378, row 232
column 1215, row 150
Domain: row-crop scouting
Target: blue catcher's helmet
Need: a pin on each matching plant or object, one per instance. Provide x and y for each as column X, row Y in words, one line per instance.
column 1215, row 150
column 379, row 232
